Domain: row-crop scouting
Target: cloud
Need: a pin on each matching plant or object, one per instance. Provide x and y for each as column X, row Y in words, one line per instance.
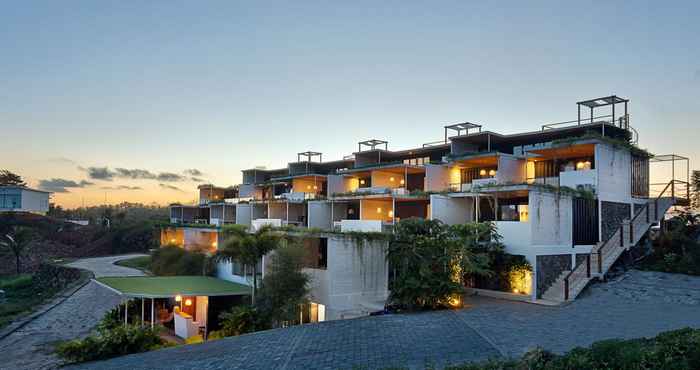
column 100, row 173
column 62, row 160
column 134, row 173
column 196, row 179
column 106, row 174
column 170, row 187
column 193, row 172
column 170, row 177
column 122, row 187
column 61, row 185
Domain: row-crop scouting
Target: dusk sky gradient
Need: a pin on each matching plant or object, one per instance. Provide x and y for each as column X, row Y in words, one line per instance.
column 167, row 86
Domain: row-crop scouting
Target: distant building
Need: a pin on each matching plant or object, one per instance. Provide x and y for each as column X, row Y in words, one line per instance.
column 23, row 199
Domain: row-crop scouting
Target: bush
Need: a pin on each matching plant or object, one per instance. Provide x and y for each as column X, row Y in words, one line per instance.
column 674, row 350
column 677, row 249
column 240, row 320
column 115, row 342
column 172, row 260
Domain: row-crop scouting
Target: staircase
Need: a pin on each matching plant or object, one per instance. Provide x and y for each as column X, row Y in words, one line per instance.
column 570, row 283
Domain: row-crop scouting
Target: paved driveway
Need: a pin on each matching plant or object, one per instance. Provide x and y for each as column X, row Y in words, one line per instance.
column 640, row 304
column 31, row 347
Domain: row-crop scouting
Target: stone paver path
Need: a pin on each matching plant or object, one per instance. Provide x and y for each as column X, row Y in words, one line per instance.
column 639, row 304
column 31, row 347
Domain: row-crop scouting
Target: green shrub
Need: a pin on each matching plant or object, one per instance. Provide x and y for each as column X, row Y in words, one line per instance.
column 240, row 320
column 674, row 350
column 172, row 260
column 16, row 282
column 115, row 342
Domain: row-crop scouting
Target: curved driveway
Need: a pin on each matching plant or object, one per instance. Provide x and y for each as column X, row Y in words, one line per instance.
column 640, row 304
column 31, row 346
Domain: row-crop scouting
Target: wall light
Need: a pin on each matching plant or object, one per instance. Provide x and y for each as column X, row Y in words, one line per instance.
column 580, row 165
column 492, row 173
column 308, row 187
column 391, row 213
column 178, row 298
column 402, row 182
column 362, row 182
column 215, row 244
column 315, row 187
column 392, row 179
column 188, row 302
column 482, row 173
column 379, row 209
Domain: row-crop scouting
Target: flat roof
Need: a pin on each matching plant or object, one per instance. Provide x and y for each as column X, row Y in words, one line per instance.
column 170, row 286
column 15, row 187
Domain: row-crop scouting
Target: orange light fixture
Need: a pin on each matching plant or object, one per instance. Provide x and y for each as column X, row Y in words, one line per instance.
column 482, row 173
column 392, row 179
column 178, row 298
column 362, row 182
column 188, row 302
column 379, row 209
column 492, row 173
column 402, row 182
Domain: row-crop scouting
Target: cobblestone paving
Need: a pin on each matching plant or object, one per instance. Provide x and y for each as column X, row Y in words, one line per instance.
column 639, row 304
column 104, row 266
column 31, row 347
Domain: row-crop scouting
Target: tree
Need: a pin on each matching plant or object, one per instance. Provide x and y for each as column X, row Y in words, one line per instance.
column 429, row 259
column 248, row 248
column 285, row 286
column 8, row 178
column 695, row 189
column 17, row 240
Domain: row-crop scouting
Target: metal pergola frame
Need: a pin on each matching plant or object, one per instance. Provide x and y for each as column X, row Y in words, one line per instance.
column 309, row 155
column 459, row 127
column 674, row 158
column 372, row 144
column 611, row 100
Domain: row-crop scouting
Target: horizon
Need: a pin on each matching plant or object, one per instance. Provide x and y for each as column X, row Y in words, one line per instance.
column 131, row 102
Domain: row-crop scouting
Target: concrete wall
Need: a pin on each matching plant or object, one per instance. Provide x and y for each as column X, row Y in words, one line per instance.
column 517, row 236
column 243, row 214
column 320, row 215
column 361, row 225
column 369, row 207
column 382, row 179
column 614, row 173
column 437, row 177
column 355, row 282
column 550, row 215
column 511, row 170
column 341, row 184
column 451, row 210
column 34, row 201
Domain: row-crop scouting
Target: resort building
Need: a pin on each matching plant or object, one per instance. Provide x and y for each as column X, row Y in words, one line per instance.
column 23, row 199
column 570, row 197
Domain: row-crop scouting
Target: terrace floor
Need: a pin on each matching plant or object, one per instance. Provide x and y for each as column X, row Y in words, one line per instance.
column 635, row 305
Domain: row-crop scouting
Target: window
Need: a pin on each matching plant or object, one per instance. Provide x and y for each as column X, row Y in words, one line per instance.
column 417, row 161
column 318, row 253
column 11, row 200
column 513, row 209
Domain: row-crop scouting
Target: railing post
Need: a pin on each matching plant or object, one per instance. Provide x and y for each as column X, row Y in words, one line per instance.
column 622, row 236
column 566, row 289
column 656, row 209
column 631, row 233
column 588, row 266
column 600, row 261
column 647, row 209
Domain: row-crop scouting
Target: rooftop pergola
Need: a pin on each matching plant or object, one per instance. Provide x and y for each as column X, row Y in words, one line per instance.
column 611, row 100
column 372, row 144
column 309, row 155
column 459, row 127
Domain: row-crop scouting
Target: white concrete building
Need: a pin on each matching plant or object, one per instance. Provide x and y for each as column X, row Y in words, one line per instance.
column 23, row 199
column 570, row 198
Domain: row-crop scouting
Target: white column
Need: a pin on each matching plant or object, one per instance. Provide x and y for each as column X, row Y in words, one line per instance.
column 126, row 312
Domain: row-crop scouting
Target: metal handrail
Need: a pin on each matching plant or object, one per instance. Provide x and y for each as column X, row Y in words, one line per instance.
column 550, row 125
column 434, row 143
column 602, row 247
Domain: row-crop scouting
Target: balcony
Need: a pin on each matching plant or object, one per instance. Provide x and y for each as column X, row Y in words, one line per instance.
column 579, row 178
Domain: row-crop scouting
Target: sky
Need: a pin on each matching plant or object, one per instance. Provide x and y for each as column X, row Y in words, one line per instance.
column 111, row 101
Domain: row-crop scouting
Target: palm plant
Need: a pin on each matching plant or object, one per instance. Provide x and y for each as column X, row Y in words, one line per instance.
column 248, row 248
column 17, row 240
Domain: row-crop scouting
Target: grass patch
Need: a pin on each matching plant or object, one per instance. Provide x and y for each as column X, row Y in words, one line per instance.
column 25, row 293
column 142, row 263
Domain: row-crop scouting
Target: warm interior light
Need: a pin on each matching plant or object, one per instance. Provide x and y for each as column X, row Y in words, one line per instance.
column 173, row 240
column 379, row 209
column 492, row 173
column 391, row 213
column 392, row 179
column 215, row 244
column 402, row 182
column 580, row 165
column 482, row 173
column 178, row 298
column 516, row 291
column 315, row 187
column 362, row 182
column 308, row 187
column 188, row 302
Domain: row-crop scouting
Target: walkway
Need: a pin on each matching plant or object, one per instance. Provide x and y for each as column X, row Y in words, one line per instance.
column 31, row 347
column 640, row 304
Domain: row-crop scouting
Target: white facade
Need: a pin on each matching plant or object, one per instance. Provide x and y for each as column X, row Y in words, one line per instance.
column 22, row 199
